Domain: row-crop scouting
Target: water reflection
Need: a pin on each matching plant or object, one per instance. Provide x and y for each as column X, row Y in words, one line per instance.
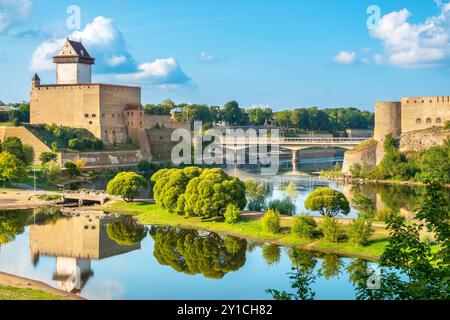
column 64, row 251
column 198, row 252
column 386, row 199
column 75, row 241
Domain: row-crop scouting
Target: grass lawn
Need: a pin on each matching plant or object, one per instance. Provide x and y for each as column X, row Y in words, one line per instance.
column 151, row 214
column 12, row 293
column 39, row 185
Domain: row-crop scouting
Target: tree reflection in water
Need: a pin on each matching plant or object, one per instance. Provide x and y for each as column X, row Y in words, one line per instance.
column 126, row 232
column 196, row 252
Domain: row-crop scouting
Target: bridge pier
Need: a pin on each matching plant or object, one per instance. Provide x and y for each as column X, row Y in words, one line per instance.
column 294, row 160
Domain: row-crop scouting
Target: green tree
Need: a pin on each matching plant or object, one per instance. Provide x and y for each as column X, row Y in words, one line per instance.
column 170, row 185
column 360, row 230
column 411, row 268
column 435, row 164
column 21, row 113
column 328, row 202
column 232, row 114
column 126, row 232
column 51, row 171
column 256, row 195
column 209, row 194
column 127, row 185
column 11, row 168
column 331, row 229
column 72, row 169
column 14, row 146
column 47, row 157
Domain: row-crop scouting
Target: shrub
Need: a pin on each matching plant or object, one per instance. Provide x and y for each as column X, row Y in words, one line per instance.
column 79, row 144
column 360, row 231
column 271, row 221
column 146, row 166
column 232, row 214
column 47, row 157
column 331, row 229
column 51, row 171
column 304, row 226
column 72, row 169
column 285, row 206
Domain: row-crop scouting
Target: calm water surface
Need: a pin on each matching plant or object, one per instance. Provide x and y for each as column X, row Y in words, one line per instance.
column 79, row 255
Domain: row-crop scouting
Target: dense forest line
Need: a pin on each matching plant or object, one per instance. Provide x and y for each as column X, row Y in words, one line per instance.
column 330, row 120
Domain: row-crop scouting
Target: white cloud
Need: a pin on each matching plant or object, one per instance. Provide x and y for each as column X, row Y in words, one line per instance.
column 158, row 72
column 345, row 57
column 14, row 11
column 115, row 61
column 205, row 57
column 107, row 45
column 412, row 45
column 102, row 40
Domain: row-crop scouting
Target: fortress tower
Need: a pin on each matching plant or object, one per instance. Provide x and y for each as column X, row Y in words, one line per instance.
column 388, row 120
column 73, row 64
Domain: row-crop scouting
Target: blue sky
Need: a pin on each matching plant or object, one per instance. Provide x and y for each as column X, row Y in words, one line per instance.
column 277, row 53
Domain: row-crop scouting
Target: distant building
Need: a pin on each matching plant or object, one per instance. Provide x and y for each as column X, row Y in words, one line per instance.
column 358, row 133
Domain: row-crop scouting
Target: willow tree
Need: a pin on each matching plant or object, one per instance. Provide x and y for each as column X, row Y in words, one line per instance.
column 169, row 185
column 209, row 194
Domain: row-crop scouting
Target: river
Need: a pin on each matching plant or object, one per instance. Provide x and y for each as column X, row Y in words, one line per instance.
column 78, row 254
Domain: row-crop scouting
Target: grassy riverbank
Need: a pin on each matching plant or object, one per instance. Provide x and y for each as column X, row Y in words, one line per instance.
column 13, row 293
column 250, row 228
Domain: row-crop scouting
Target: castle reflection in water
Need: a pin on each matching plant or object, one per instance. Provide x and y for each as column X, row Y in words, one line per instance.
column 75, row 241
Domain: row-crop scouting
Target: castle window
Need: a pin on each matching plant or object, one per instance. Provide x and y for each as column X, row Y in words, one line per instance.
column 94, row 116
column 106, row 131
column 438, row 120
column 429, row 120
column 90, row 122
column 103, row 115
column 431, row 101
column 419, row 121
column 113, row 115
column 132, row 113
column 86, row 115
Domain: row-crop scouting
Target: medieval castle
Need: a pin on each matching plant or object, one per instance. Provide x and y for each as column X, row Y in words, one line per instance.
column 411, row 115
column 113, row 113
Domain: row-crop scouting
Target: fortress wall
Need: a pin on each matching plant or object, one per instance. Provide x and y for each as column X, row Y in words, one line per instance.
column 366, row 156
column 104, row 158
column 27, row 138
column 420, row 113
column 67, row 105
column 113, row 100
column 387, row 119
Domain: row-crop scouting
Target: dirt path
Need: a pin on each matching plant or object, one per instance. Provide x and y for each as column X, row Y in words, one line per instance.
column 23, row 283
column 22, row 199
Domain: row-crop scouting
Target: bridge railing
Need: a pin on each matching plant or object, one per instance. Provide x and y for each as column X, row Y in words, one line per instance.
column 292, row 140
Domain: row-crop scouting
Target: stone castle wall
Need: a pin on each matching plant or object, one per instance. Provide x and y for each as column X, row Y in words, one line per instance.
column 387, row 120
column 424, row 112
column 95, row 107
column 416, row 121
column 104, row 159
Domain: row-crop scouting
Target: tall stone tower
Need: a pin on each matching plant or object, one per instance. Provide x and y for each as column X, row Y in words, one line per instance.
column 73, row 64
